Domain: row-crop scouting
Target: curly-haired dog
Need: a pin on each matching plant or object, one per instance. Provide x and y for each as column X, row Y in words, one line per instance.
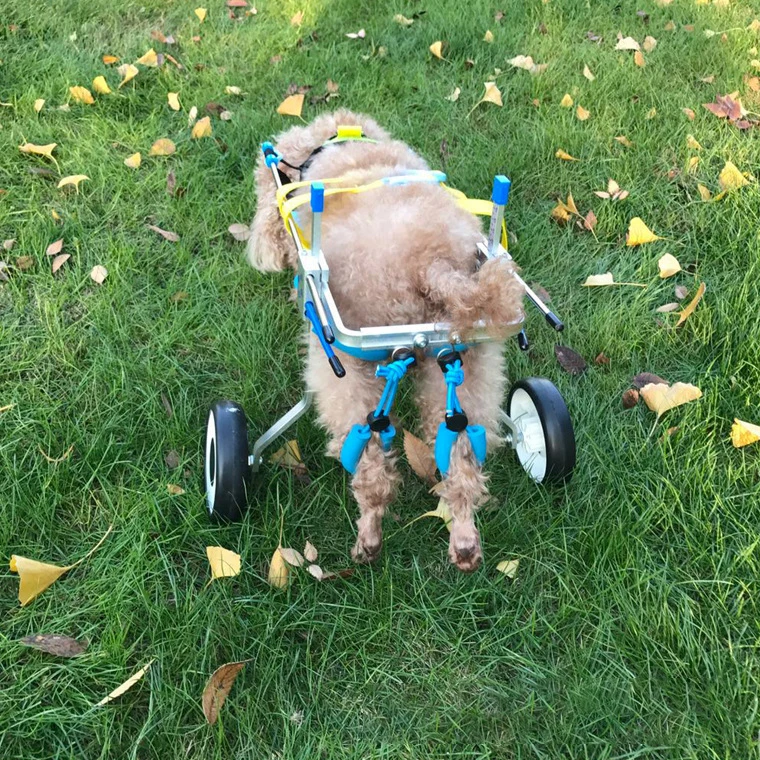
column 397, row 255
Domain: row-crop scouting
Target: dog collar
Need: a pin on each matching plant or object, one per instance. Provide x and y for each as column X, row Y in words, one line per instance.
column 343, row 135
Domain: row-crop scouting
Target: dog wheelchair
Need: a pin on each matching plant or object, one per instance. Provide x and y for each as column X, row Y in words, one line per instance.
column 537, row 421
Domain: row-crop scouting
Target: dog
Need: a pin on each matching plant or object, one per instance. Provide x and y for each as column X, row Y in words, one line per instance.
column 397, row 255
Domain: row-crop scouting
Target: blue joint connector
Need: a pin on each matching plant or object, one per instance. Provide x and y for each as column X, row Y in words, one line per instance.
column 271, row 156
column 317, row 197
column 501, row 186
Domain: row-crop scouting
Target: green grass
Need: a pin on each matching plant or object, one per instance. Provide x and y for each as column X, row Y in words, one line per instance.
column 631, row 630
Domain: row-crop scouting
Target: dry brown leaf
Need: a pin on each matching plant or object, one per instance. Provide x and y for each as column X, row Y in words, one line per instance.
column 571, row 361
column 218, row 688
column 126, row 686
column 420, row 458
column 689, row 310
column 162, row 147
column 99, row 274
column 630, row 398
column 59, row 261
column 53, row 643
column 172, row 237
column 23, row 263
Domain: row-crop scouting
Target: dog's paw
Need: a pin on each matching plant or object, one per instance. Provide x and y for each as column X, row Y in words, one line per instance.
column 464, row 547
column 367, row 549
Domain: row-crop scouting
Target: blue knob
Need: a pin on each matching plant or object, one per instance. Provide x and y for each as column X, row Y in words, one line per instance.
column 317, row 197
column 500, row 194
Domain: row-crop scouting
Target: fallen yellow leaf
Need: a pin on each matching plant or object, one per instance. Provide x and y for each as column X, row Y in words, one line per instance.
column 231, row 89
column 148, row 59
column 224, row 563
column 508, row 567
column 627, row 43
column 201, row 14
column 98, row 274
column 454, row 95
column 704, row 193
column 623, row 140
column 638, row 59
column 38, row 104
column 639, row 233
column 600, row 280
column 201, row 128
column 292, row 105
column 297, row 18
column 82, row 94
column 128, row 72
column 436, row 49
column 564, row 156
column 661, row 397
column 174, row 489
column 582, row 113
column 744, row 433
column 567, row 101
column 442, row 511
column 74, row 180
column 162, row 147
column 128, row 684
column 587, row 73
column 100, row 86
column 278, row 570
column 488, row 37
column 689, row 310
column 134, row 161
column 731, row 178
column 59, row 261
column 492, row 94
column 403, row 20
column 651, row 113
column 668, row 266
column 173, row 98
column 691, row 165
column 108, row 59
column 650, row 43
column 692, row 143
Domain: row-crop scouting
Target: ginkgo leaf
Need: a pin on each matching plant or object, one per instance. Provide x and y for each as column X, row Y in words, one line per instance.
column 689, row 310
column 278, row 570
column 403, row 20
column 571, row 204
column 73, row 179
column 564, row 156
column 508, row 567
column 623, row 140
column 436, row 49
column 128, row 72
column 420, row 458
column 172, row 237
column 588, row 74
column 582, row 113
column 98, row 274
column 651, row 113
column 491, row 95
column 690, row 115
column 668, row 307
column 126, row 686
column 100, row 86
column 692, row 143
column 731, row 178
column 567, row 101
column 744, row 433
column 360, row 35
column 36, row 576
column 454, row 95
column 38, row 104
column 82, row 94
column 442, row 511
column 638, row 59
column 754, row 26
column 292, row 557
column 173, row 98
column 661, row 397
column 174, row 489
column 600, row 280
column 639, row 233
column 200, row 13
column 133, row 161
column 192, row 115
column 39, row 150
column 297, row 19
column 162, row 147
column 292, row 105
column 224, row 563
column 488, row 36
column 668, row 266
column 201, row 128
column 109, row 59
column 704, row 192
column 310, row 552
column 218, row 687
column 148, row 59
column 627, row 43
column 232, row 90
column 649, row 44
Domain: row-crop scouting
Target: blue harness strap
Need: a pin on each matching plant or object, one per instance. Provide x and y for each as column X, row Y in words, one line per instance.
column 377, row 421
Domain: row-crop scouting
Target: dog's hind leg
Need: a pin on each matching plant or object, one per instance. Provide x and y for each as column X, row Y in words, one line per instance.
column 342, row 404
column 465, row 487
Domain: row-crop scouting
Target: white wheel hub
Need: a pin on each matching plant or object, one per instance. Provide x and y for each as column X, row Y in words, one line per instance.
column 211, row 455
column 531, row 440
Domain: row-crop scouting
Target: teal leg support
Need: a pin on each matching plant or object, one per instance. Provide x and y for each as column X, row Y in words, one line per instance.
column 353, row 447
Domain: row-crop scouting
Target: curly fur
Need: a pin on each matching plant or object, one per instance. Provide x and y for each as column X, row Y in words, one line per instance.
column 404, row 254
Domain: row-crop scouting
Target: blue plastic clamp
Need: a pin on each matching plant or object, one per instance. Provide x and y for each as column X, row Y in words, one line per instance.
column 477, row 436
column 271, row 156
column 317, row 197
column 501, row 186
column 443, row 443
column 353, row 447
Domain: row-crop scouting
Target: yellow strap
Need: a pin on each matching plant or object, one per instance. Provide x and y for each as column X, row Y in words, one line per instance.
column 288, row 206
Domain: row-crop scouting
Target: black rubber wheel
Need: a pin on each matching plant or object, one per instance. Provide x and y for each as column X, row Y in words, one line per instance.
column 226, row 468
column 547, row 451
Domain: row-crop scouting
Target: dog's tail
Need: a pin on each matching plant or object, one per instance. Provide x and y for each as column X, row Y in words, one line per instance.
column 493, row 294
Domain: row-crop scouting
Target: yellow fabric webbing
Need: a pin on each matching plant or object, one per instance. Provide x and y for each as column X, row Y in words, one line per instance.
column 288, row 206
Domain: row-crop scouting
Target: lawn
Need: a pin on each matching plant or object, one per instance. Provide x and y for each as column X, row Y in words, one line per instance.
column 631, row 628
